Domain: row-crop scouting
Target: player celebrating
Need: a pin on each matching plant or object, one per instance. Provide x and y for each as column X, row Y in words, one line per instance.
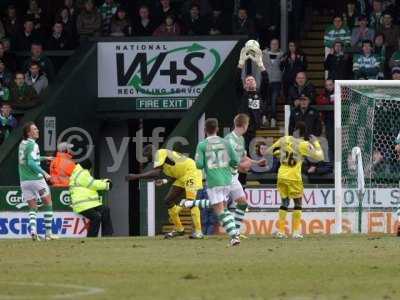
column 292, row 151
column 188, row 180
column 32, row 181
column 216, row 156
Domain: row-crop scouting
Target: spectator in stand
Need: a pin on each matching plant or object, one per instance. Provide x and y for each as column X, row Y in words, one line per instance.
column 26, row 37
column 5, row 75
column 2, row 30
column 4, row 93
column 334, row 32
column 376, row 16
column 350, row 16
column 59, row 39
column 7, row 58
column 272, row 59
column 361, row 33
column 22, row 96
column 88, row 23
column 36, row 78
column 107, row 11
column 305, row 113
column 7, row 121
column 327, row 97
column 164, row 9
column 169, row 28
column 46, row 65
column 396, row 73
column 62, row 166
column 366, row 65
column 337, row 63
column 120, row 24
column 35, row 14
column 242, row 24
column 11, row 22
column 219, row 23
column 292, row 63
column 390, row 31
column 69, row 25
column 144, row 25
column 72, row 10
column 395, row 58
column 194, row 23
column 381, row 53
column 301, row 89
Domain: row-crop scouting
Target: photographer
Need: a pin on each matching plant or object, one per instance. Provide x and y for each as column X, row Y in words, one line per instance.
column 252, row 99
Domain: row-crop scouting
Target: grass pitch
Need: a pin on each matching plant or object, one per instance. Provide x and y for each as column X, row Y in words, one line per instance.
column 318, row 267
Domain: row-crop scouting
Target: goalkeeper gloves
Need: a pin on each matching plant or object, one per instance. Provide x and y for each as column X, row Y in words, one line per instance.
column 243, row 57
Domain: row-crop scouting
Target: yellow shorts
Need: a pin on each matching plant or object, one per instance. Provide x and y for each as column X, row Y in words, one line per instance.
column 191, row 182
column 291, row 189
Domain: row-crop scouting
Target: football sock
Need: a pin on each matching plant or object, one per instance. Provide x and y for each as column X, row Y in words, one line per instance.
column 202, row 203
column 282, row 220
column 32, row 220
column 48, row 218
column 195, row 212
column 227, row 221
column 240, row 211
column 173, row 213
column 296, row 220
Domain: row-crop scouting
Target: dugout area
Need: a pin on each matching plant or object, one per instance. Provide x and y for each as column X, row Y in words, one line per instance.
column 72, row 102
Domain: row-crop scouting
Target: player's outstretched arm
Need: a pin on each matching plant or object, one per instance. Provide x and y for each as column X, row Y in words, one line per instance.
column 315, row 151
column 152, row 174
column 200, row 157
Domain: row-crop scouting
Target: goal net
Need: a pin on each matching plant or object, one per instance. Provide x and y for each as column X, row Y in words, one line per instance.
column 367, row 116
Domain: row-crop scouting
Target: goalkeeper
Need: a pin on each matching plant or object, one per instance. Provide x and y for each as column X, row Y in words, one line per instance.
column 188, row 180
column 292, row 152
column 252, row 99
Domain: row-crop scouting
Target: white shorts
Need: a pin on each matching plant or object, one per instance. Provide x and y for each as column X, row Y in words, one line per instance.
column 34, row 189
column 218, row 194
column 236, row 189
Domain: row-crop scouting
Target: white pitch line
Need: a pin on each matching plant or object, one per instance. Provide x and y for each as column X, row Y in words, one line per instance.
column 84, row 290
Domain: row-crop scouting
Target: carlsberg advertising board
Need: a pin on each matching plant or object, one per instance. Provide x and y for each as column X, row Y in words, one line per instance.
column 162, row 74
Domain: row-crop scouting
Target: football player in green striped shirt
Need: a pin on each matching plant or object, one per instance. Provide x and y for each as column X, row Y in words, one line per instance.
column 33, row 181
column 216, row 157
column 237, row 194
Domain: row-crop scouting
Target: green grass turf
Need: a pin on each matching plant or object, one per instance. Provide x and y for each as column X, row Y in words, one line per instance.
column 318, row 267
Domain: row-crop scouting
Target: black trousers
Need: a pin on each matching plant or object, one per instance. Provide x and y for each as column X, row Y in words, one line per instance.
column 99, row 215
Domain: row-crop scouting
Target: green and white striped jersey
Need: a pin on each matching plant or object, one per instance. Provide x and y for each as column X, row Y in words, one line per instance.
column 216, row 156
column 29, row 161
column 332, row 34
column 238, row 145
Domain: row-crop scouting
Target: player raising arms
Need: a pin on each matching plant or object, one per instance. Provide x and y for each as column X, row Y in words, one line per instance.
column 217, row 156
column 32, row 180
column 292, row 151
column 188, row 180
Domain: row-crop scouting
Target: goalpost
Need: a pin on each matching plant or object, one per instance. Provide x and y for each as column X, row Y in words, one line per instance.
column 367, row 116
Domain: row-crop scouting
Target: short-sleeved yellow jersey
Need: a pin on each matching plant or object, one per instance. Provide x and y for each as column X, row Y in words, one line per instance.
column 174, row 164
column 292, row 152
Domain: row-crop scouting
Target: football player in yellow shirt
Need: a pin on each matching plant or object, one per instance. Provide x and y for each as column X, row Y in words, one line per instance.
column 292, row 152
column 188, row 180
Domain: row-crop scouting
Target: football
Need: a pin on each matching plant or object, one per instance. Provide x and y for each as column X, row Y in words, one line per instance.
column 251, row 47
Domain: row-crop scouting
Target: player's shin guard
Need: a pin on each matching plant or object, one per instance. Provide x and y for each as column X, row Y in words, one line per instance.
column 296, row 219
column 48, row 218
column 196, row 218
column 32, row 220
column 173, row 213
column 282, row 219
column 228, row 222
column 240, row 211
